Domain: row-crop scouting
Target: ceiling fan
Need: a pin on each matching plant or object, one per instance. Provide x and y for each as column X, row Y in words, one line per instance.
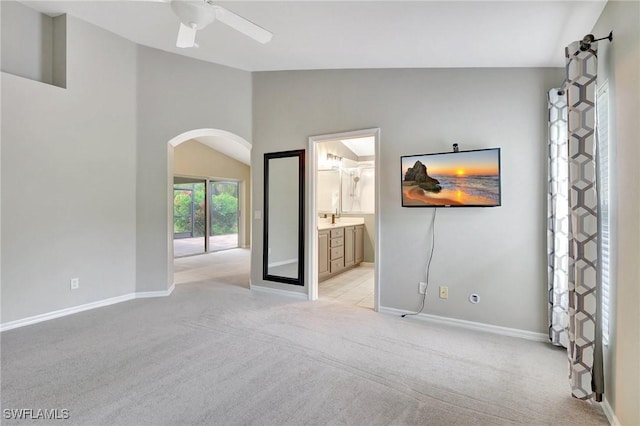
column 195, row 15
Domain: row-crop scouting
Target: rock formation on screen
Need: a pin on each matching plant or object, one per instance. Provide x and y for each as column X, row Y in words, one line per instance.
column 418, row 174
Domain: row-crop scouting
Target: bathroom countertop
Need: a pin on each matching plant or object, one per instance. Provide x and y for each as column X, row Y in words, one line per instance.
column 340, row 222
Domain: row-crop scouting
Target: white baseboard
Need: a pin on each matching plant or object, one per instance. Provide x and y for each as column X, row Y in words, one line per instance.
column 161, row 293
column 608, row 411
column 471, row 325
column 293, row 294
column 81, row 308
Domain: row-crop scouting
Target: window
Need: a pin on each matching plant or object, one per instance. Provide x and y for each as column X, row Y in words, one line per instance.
column 602, row 126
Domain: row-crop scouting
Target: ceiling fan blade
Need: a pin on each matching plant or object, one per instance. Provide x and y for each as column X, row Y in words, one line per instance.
column 243, row 25
column 186, row 36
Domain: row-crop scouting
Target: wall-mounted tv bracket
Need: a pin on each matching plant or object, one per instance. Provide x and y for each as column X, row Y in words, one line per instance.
column 455, row 147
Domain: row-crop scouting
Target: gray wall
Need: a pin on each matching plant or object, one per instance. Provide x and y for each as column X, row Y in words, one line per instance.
column 496, row 252
column 85, row 181
column 34, row 44
column 619, row 63
column 28, row 42
column 68, row 179
column 175, row 95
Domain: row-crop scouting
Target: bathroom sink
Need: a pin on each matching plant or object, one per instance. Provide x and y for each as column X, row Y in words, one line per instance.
column 339, row 221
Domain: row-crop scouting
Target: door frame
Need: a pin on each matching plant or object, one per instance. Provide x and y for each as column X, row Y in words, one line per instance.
column 312, row 217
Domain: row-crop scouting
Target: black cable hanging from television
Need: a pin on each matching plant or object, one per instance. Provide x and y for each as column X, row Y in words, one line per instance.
column 428, row 269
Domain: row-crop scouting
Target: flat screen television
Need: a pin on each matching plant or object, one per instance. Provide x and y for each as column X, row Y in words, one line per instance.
column 452, row 179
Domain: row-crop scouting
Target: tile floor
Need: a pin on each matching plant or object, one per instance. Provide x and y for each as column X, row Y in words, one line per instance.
column 354, row 286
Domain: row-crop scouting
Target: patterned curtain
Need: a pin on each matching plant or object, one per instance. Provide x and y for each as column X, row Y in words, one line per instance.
column 558, row 219
column 572, row 232
column 585, row 334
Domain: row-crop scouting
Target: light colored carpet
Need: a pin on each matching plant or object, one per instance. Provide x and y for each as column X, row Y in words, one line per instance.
column 216, row 353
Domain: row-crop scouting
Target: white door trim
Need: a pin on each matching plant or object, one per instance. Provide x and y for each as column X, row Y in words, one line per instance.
column 312, row 217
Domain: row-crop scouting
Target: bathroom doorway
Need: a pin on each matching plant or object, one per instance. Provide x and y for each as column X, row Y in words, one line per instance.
column 343, row 217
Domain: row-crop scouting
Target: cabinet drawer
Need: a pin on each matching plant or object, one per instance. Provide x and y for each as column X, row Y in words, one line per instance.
column 337, row 265
column 335, row 233
column 337, row 252
column 336, row 242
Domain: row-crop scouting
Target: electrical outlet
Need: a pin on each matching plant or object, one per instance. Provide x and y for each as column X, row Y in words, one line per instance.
column 75, row 283
column 422, row 289
column 444, row 292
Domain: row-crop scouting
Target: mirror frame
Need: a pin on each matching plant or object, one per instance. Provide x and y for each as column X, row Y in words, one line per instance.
column 300, row 153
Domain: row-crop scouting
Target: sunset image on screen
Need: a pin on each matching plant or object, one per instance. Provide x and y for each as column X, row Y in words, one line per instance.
column 469, row 178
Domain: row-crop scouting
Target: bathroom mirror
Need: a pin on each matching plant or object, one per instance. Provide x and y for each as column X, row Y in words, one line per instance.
column 283, row 250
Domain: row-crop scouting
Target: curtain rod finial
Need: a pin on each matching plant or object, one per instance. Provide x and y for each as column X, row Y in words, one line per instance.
column 585, row 43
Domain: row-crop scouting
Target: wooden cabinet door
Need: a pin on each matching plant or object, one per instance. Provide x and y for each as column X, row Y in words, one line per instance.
column 358, row 244
column 348, row 246
column 323, row 253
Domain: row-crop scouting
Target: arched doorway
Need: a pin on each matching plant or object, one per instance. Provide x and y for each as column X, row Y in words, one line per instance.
column 227, row 149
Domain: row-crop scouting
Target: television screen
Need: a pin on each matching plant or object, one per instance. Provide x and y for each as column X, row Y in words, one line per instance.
column 452, row 179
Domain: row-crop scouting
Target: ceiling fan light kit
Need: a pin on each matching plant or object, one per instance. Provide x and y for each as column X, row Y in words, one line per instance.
column 195, row 15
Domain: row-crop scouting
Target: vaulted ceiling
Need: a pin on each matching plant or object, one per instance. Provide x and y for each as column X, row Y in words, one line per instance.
column 358, row 34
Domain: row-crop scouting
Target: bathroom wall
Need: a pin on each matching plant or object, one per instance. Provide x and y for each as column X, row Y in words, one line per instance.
column 358, row 188
column 330, row 181
column 328, row 191
column 349, row 189
column 335, row 148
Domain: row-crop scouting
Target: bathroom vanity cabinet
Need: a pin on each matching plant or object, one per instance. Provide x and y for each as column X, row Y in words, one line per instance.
column 339, row 248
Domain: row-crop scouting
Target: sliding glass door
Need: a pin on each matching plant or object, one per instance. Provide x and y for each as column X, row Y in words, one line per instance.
column 224, row 216
column 189, row 214
column 203, row 207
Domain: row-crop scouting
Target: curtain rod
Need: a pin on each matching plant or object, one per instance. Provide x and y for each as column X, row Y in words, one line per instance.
column 585, row 44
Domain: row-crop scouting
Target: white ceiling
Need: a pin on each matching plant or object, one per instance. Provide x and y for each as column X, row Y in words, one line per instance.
column 359, row 34
column 362, row 147
column 221, row 144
